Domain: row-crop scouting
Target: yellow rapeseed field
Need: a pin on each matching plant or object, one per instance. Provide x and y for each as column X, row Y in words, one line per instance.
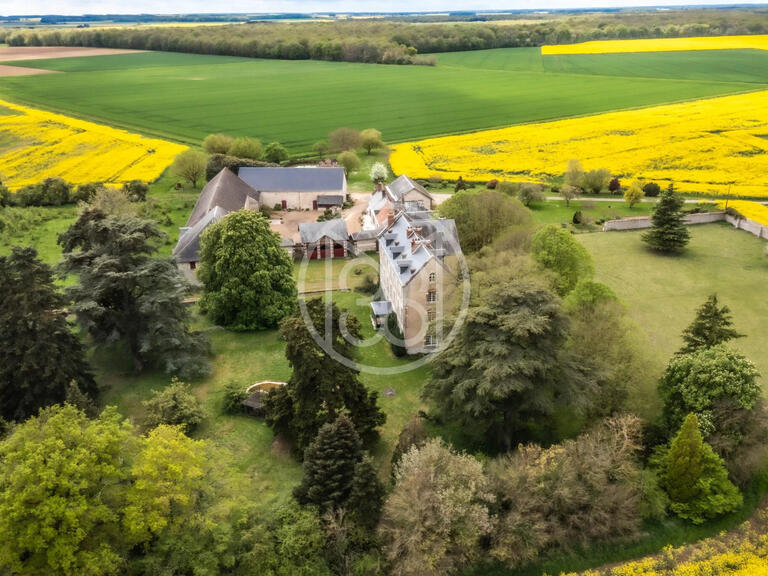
column 757, row 42
column 715, row 146
column 35, row 144
column 752, row 210
column 743, row 552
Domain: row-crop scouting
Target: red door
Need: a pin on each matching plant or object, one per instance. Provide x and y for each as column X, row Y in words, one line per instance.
column 284, row 204
column 338, row 251
column 314, row 204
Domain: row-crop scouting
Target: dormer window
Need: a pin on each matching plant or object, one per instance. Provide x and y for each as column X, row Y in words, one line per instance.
column 431, row 276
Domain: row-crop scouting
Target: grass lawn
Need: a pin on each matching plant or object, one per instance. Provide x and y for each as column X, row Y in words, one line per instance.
column 663, row 292
column 262, row 469
column 184, row 97
column 557, row 212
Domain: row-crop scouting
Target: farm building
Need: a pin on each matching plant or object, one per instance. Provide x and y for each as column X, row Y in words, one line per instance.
column 322, row 240
column 418, row 257
column 303, row 188
column 297, row 188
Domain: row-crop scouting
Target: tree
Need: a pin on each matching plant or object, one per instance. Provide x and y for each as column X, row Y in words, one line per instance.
column 349, row 161
column 583, row 492
column 700, row 381
column 574, row 174
column 614, row 186
column 246, row 148
column 482, row 216
column 556, row 249
column 174, row 405
column 112, row 202
column 366, row 496
column 234, row 394
column 695, row 478
column 217, row 143
column 712, row 326
column 413, row 434
column 275, row 152
column 505, row 372
column 136, row 190
column 633, row 194
column 651, row 189
column 343, row 139
column 371, row 139
column 460, row 185
column 530, row 193
column 568, row 193
column 247, row 277
column 668, row 233
column 596, row 181
column 436, row 516
column 329, row 465
column 320, row 148
column 40, row 356
column 168, row 477
column 190, row 166
column 320, row 387
column 378, row 173
column 60, row 495
column 127, row 295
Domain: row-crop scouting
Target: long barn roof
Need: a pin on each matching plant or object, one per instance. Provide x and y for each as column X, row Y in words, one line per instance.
column 293, row 179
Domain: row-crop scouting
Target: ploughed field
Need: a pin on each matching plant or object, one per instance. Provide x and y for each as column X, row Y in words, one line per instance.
column 184, row 97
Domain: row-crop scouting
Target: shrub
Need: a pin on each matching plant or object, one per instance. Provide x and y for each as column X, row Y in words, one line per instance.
column 491, row 184
column 369, row 285
column 530, row 193
column 174, row 405
column 460, row 185
column 378, row 173
column 136, row 190
column 234, row 394
column 651, row 189
column 614, row 186
column 49, row 192
column 246, row 148
column 217, row 143
column 578, row 217
column 393, row 327
column 275, row 152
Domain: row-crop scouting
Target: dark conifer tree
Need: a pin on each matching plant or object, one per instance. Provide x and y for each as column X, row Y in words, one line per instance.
column 712, row 326
column 40, row 355
column 668, row 232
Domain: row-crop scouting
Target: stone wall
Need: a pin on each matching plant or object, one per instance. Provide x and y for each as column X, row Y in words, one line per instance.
column 640, row 222
column 749, row 225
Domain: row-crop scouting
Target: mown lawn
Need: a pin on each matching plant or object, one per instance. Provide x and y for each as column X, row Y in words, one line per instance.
column 184, row 97
column 663, row 292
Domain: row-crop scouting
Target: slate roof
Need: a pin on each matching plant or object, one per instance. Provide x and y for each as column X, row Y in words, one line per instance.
column 401, row 185
column 225, row 190
column 381, row 307
column 330, row 200
column 412, row 242
column 188, row 247
column 335, row 229
column 293, row 179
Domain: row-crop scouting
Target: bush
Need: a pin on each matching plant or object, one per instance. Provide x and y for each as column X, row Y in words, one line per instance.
column 218, row 162
column 49, row 192
column 136, row 190
column 217, row 143
column 275, row 152
column 614, row 186
column 491, row 184
column 393, row 328
column 174, row 405
column 246, row 148
column 369, row 285
column 460, row 185
column 234, row 394
column 578, row 217
column 530, row 193
column 596, row 181
column 651, row 189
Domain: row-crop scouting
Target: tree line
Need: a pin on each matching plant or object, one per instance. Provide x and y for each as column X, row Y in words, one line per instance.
column 394, row 41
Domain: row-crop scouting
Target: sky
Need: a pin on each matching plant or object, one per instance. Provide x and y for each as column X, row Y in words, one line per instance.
column 17, row 7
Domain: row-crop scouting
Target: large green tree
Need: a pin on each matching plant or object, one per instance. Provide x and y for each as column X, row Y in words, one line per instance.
column 712, row 326
column 41, row 355
column 126, row 294
column 557, row 250
column 321, row 387
column 668, row 232
column 482, row 216
column 247, row 277
column 695, row 478
column 506, row 370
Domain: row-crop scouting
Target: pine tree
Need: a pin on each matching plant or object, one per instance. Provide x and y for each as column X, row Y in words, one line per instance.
column 695, row 478
column 712, row 326
column 40, row 354
column 367, row 494
column 329, row 465
column 668, row 232
column 320, row 387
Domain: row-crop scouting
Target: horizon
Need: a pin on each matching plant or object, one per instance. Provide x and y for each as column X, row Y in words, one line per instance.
column 40, row 8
